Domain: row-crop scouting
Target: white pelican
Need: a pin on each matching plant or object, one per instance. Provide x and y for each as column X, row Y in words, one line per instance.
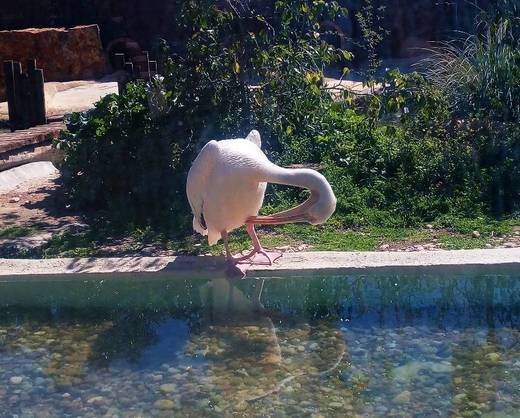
column 226, row 186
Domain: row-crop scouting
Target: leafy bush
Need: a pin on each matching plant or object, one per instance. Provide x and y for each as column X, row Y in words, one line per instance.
column 480, row 74
column 481, row 154
column 387, row 175
column 480, row 78
column 129, row 156
column 253, row 66
column 118, row 159
column 409, row 153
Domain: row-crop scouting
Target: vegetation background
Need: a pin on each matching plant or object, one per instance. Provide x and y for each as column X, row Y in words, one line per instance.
column 440, row 145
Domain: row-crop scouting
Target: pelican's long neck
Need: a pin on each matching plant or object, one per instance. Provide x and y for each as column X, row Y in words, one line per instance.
column 315, row 210
column 298, row 177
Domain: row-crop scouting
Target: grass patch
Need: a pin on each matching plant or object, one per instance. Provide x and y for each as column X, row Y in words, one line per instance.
column 16, row 232
column 485, row 226
column 460, row 242
column 453, row 234
column 68, row 245
column 330, row 237
column 321, row 238
column 394, row 235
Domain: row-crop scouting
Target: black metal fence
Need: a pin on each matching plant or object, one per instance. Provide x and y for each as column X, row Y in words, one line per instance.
column 139, row 68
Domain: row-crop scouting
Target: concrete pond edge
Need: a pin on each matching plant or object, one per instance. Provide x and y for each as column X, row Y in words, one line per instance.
column 291, row 263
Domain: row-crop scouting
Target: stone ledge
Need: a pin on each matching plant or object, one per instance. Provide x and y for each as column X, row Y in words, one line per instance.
column 13, row 178
column 290, row 262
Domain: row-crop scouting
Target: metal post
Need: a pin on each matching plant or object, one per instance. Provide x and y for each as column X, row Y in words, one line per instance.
column 10, row 88
column 128, row 67
column 19, row 102
column 153, row 67
column 147, row 65
column 119, row 61
column 37, row 88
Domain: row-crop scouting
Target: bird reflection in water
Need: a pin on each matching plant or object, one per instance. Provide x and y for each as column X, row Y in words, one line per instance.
column 250, row 358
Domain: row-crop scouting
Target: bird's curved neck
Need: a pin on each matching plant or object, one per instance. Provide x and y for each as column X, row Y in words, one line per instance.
column 320, row 189
column 298, row 177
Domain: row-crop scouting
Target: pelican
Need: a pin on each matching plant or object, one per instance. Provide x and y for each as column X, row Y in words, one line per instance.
column 226, row 186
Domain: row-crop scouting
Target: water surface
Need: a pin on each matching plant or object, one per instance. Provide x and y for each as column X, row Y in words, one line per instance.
column 415, row 344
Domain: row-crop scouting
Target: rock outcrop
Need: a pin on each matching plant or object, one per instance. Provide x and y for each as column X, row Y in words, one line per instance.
column 63, row 54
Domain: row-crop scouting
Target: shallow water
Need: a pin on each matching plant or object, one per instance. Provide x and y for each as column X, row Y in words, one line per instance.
column 373, row 345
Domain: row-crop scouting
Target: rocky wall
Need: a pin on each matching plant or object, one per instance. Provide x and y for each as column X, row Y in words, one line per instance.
column 63, row 54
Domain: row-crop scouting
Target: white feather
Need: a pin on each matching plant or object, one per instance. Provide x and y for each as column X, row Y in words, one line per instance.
column 254, row 137
column 197, row 183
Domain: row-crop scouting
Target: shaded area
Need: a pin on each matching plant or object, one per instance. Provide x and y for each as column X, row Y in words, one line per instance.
column 409, row 23
column 39, row 208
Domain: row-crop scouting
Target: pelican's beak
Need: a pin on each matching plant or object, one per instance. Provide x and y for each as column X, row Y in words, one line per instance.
column 294, row 215
column 276, row 219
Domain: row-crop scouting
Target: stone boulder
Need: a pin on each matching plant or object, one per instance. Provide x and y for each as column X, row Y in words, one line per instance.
column 63, row 54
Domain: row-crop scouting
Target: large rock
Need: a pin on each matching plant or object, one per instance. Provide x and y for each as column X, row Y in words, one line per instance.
column 63, row 54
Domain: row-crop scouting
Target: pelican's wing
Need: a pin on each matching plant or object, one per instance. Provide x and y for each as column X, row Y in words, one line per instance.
column 196, row 185
column 254, row 137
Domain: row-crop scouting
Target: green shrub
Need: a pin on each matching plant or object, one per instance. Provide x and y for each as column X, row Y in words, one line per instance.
column 129, row 157
column 480, row 78
column 497, row 151
column 480, row 74
column 119, row 160
column 398, row 157
column 388, row 169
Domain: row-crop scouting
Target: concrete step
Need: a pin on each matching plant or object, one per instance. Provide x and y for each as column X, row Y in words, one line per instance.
column 28, row 145
column 11, row 179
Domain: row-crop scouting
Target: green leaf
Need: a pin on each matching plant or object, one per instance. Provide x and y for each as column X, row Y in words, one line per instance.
column 347, row 55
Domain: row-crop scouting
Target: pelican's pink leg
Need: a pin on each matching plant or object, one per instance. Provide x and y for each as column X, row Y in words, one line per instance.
column 257, row 247
column 232, row 269
column 229, row 258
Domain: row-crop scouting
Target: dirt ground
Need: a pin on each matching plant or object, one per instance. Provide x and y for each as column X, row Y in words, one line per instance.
column 38, row 205
column 39, row 209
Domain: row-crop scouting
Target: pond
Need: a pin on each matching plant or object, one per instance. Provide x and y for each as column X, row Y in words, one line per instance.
column 380, row 344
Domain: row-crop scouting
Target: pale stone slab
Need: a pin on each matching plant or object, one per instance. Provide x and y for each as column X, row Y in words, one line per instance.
column 14, row 177
column 299, row 262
